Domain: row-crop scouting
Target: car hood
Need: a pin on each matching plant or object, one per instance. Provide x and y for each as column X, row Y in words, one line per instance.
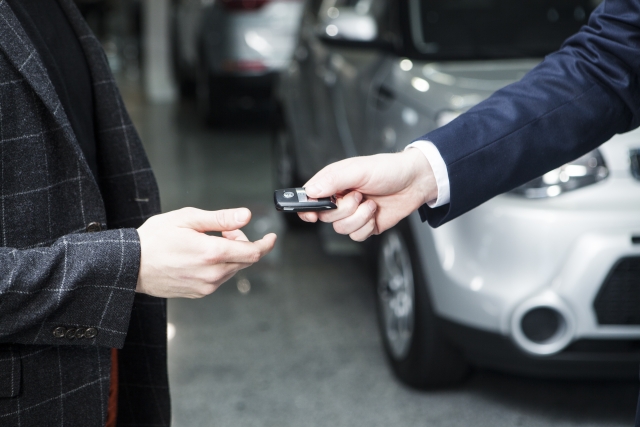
column 481, row 76
column 457, row 85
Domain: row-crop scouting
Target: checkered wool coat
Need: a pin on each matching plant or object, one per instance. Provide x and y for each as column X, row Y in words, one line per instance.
column 67, row 287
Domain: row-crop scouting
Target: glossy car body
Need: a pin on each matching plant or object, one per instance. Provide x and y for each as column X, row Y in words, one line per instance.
column 543, row 286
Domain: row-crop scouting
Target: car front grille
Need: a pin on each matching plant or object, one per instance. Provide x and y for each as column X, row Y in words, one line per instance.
column 618, row 301
column 635, row 163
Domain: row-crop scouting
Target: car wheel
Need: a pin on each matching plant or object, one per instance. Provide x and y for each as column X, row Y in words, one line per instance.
column 211, row 99
column 203, row 93
column 284, row 169
column 416, row 349
column 284, row 162
column 186, row 84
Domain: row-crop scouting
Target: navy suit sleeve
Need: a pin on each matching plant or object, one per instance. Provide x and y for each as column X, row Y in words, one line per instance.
column 575, row 100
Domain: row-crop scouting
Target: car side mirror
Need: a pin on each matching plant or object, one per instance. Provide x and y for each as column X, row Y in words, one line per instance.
column 348, row 25
column 348, row 28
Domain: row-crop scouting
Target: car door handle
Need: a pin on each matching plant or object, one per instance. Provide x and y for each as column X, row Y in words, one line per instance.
column 384, row 97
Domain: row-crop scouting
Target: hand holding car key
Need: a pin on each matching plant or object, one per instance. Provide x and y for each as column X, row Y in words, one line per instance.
column 296, row 200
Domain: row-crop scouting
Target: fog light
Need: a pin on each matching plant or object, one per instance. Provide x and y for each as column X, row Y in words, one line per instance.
column 542, row 324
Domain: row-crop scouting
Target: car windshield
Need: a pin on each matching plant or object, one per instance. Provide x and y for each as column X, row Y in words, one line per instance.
column 469, row 29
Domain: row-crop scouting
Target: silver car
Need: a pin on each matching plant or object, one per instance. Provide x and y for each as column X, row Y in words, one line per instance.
column 232, row 50
column 542, row 280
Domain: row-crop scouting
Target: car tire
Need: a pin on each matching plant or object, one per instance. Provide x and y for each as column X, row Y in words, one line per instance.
column 418, row 353
column 203, row 93
column 210, row 98
column 185, row 80
column 284, row 165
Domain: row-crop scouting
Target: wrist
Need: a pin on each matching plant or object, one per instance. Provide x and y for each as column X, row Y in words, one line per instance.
column 139, row 284
column 422, row 178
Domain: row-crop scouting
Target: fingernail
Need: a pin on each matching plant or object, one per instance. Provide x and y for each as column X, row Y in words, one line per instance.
column 242, row 215
column 372, row 206
column 358, row 197
column 313, row 190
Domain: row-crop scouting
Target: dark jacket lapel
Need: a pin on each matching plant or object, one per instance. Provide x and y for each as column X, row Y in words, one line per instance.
column 127, row 184
column 96, row 59
column 21, row 52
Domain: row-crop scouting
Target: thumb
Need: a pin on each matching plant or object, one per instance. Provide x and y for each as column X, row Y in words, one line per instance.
column 348, row 174
column 222, row 220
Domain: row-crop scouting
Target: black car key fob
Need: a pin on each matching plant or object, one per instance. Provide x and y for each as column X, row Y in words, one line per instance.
column 296, row 200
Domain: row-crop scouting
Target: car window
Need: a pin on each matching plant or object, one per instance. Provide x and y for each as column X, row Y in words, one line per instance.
column 495, row 28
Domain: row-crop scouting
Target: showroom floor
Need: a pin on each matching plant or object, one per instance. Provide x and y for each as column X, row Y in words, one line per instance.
column 293, row 341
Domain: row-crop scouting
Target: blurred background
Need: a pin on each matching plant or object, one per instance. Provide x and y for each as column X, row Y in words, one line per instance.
column 522, row 313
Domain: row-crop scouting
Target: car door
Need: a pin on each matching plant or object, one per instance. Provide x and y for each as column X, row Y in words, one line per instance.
column 359, row 71
column 311, row 116
column 355, row 71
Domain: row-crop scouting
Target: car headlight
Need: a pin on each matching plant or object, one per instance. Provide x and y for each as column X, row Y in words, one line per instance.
column 587, row 170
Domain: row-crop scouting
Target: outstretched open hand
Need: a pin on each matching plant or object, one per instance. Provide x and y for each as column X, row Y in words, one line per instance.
column 178, row 259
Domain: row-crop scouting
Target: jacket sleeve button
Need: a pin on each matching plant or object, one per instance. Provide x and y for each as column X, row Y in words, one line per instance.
column 80, row 333
column 94, row 227
column 90, row 333
column 71, row 333
column 59, row 332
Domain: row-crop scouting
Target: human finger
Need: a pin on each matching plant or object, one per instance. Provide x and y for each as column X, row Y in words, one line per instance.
column 339, row 176
column 362, row 216
column 347, row 206
column 308, row 216
column 365, row 232
column 219, row 273
column 208, row 280
column 313, row 216
column 201, row 220
column 222, row 250
column 235, row 235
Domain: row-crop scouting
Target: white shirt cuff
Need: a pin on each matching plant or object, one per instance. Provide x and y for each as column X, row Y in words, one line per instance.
column 439, row 168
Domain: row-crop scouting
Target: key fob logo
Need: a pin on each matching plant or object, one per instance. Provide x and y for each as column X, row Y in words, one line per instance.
column 288, row 195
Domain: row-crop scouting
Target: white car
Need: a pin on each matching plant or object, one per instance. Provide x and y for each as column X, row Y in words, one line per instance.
column 231, row 50
column 544, row 280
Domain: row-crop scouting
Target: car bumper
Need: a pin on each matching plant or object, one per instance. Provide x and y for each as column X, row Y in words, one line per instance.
column 243, row 92
column 492, row 266
column 247, row 82
column 584, row 359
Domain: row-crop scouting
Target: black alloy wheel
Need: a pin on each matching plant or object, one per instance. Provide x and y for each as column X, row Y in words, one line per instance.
column 211, row 96
column 184, row 78
column 283, row 163
column 203, row 93
column 418, row 353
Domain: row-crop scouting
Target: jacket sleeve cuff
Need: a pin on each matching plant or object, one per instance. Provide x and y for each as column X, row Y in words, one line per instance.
column 96, row 297
column 439, row 168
